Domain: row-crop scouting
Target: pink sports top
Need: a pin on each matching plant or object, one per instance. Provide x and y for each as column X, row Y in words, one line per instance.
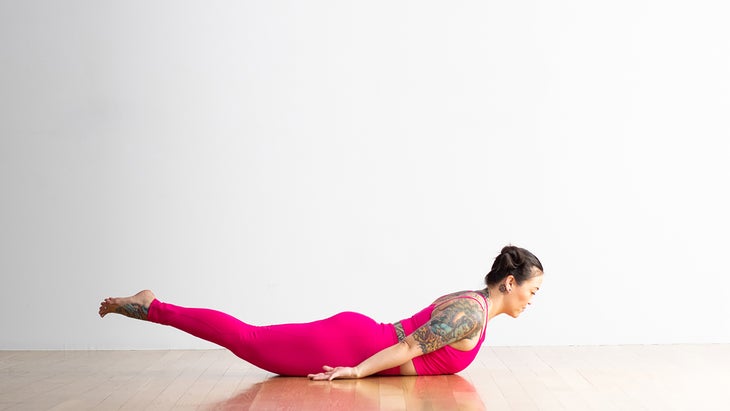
column 445, row 360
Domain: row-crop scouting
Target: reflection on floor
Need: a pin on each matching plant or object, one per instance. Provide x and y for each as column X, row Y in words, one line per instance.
column 451, row 392
column 640, row 377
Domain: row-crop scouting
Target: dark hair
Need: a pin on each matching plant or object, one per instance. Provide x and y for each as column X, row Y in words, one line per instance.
column 515, row 261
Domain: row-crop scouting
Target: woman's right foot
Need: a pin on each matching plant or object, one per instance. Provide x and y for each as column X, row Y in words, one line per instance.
column 135, row 306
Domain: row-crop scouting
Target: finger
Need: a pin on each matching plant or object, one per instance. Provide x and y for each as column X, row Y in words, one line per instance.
column 335, row 374
column 327, row 368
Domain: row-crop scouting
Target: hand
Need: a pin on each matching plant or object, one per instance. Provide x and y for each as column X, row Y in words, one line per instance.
column 332, row 373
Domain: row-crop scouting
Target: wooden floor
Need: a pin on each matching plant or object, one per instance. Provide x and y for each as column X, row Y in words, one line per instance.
column 634, row 377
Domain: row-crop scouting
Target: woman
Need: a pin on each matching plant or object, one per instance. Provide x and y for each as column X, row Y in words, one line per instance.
column 443, row 338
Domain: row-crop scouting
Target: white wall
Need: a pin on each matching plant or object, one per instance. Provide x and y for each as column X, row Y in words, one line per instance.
column 283, row 161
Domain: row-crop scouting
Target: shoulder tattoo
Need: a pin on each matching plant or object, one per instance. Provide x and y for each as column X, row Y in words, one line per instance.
column 459, row 320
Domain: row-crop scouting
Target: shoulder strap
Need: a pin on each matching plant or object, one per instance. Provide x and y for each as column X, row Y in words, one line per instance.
column 464, row 296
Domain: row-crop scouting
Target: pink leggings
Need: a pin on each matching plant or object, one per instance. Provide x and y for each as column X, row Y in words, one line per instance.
column 345, row 339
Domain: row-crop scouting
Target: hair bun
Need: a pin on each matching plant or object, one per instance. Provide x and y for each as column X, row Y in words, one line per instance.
column 514, row 261
column 511, row 258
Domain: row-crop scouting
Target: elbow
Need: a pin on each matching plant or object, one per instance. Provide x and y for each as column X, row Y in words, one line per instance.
column 411, row 348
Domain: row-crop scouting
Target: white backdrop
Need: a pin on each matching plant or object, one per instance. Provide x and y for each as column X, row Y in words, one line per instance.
column 283, row 161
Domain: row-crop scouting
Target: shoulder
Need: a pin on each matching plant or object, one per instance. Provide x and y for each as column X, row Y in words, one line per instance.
column 473, row 296
column 455, row 317
column 464, row 305
column 467, row 306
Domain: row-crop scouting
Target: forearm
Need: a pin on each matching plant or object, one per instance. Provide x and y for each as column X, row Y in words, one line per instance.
column 390, row 357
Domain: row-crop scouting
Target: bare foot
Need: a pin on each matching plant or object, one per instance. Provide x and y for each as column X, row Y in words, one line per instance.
column 135, row 306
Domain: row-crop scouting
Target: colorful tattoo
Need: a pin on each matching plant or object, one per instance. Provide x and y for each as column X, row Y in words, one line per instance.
column 133, row 310
column 459, row 320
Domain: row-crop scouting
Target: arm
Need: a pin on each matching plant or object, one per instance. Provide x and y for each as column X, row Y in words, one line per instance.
column 390, row 357
column 453, row 321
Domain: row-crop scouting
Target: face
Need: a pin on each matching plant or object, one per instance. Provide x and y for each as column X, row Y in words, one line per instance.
column 521, row 295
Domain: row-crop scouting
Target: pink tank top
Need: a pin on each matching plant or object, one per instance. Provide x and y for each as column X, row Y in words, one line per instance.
column 445, row 360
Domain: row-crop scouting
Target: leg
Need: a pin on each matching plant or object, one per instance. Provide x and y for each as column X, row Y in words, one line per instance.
column 288, row 349
column 210, row 325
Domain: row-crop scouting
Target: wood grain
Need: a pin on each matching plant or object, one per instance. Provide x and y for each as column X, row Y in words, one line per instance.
column 632, row 377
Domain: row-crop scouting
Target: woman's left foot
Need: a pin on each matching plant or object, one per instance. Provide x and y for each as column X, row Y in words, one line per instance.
column 135, row 306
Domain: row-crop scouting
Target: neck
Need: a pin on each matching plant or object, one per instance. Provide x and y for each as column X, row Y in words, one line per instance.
column 495, row 300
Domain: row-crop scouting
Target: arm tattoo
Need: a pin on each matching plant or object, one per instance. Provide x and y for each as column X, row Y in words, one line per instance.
column 399, row 331
column 459, row 320
column 133, row 311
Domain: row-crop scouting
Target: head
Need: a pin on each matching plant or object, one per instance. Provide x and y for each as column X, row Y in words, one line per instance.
column 517, row 275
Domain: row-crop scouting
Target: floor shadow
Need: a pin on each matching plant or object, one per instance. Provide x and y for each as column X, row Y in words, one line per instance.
column 443, row 392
